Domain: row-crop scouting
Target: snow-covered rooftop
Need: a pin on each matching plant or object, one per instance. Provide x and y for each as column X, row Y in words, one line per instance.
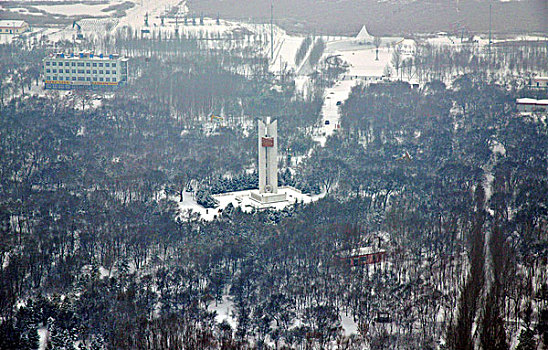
column 87, row 55
column 97, row 24
column 11, row 23
column 363, row 251
column 531, row 101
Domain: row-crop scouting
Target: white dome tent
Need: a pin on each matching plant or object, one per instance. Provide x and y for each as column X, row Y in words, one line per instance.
column 364, row 37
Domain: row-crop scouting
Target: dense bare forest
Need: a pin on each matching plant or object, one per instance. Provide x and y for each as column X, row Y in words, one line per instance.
column 95, row 254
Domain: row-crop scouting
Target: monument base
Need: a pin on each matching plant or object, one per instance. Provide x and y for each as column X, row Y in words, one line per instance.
column 267, row 198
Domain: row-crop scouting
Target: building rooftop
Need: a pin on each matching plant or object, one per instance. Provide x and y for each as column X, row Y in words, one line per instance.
column 526, row 101
column 362, row 251
column 86, row 55
column 531, row 101
column 11, row 23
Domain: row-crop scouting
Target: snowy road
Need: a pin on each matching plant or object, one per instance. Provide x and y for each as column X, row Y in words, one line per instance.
column 362, row 68
column 333, row 98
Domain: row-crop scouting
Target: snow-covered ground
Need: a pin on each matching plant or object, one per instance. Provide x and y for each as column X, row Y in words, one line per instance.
column 348, row 324
column 135, row 16
column 242, row 200
column 284, row 54
column 362, row 60
column 224, row 310
column 43, row 334
column 23, row 11
column 75, row 9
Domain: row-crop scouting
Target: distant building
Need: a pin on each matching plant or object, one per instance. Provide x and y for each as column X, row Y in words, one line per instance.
column 363, row 256
column 88, row 27
column 540, row 82
column 528, row 105
column 13, row 26
column 85, row 70
column 368, row 79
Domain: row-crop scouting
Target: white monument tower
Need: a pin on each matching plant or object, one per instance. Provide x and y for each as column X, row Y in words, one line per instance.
column 268, row 164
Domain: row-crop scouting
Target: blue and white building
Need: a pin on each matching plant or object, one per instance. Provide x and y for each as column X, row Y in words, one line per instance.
column 84, row 70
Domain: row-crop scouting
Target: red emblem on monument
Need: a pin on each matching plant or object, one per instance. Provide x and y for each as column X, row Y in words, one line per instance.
column 267, row 142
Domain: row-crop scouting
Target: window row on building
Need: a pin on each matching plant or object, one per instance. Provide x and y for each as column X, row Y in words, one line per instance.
column 80, row 64
column 80, row 78
column 80, row 71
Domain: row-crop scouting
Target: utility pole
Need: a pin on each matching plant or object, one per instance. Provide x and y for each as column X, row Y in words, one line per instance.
column 490, row 29
column 272, row 29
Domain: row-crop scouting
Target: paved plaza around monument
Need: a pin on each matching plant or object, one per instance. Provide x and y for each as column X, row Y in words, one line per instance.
column 242, row 200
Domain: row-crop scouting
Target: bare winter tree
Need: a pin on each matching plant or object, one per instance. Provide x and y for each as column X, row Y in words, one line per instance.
column 396, row 59
column 83, row 97
column 377, row 42
column 408, row 64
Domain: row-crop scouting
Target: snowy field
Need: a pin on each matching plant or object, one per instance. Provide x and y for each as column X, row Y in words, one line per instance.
column 23, row 11
column 286, row 49
column 154, row 8
column 74, row 9
column 225, row 312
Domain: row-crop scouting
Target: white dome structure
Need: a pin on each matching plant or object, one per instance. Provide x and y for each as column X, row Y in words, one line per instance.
column 364, row 37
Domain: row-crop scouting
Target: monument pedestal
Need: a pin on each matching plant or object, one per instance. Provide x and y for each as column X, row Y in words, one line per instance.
column 267, row 198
